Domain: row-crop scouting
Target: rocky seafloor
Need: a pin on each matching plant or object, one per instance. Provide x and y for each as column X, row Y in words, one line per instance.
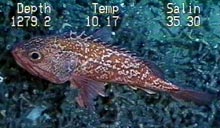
column 188, row 55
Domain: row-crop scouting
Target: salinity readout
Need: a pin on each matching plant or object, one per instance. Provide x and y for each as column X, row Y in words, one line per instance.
column 25, row 15
column 191, row 12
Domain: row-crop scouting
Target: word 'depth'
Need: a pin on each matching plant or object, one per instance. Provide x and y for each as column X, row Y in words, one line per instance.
column 42, row 8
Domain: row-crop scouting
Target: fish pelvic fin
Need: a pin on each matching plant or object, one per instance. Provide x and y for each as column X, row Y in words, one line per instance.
column 199, row 98
column 89, row 89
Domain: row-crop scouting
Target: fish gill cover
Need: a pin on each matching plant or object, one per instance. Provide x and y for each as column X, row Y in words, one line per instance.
column 182, row 38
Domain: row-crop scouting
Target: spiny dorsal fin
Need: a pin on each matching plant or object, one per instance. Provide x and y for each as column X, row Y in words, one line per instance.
column 102, row 36
column 83, row 36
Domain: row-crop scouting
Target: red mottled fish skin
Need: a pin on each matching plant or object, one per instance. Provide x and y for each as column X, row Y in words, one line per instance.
column 89, row 64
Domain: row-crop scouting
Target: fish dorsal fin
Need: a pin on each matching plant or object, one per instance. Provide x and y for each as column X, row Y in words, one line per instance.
column 104, row 34
column 155, row 69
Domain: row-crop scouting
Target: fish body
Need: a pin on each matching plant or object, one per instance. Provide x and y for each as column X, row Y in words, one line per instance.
column 89, row 64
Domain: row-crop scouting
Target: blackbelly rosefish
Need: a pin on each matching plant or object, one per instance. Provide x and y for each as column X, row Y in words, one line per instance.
column 89, row 64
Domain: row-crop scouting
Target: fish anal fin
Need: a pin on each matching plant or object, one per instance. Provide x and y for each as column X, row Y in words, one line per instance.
column 149, row 91
column 132, row 87
column 89, row 89
column 144, row 89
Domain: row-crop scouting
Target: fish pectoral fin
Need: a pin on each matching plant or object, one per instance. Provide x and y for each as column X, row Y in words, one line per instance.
column 89, row 89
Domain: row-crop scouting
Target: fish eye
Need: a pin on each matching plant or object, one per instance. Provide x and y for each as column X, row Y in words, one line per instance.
column 35, row 55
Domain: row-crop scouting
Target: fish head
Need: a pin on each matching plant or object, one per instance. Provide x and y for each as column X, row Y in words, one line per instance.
column 42, row 57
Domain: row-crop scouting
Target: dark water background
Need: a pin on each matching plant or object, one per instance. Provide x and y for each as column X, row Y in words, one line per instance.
column 189, row 56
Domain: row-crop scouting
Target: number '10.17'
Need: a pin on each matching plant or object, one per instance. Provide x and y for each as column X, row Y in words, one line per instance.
column 95, row 21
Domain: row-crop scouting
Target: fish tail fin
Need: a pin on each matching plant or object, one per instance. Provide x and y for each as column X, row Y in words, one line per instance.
column 199, row 98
